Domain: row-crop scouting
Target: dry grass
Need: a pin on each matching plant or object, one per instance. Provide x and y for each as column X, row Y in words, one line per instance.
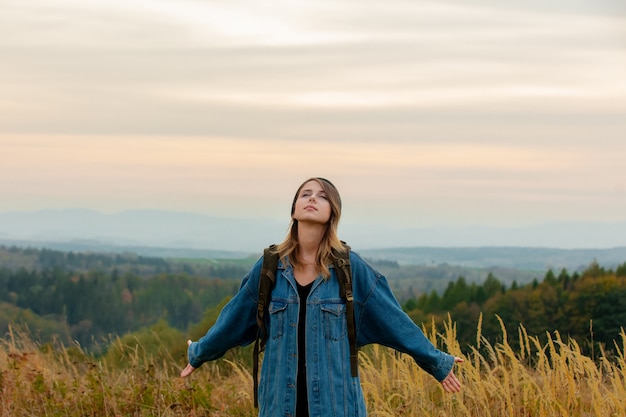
column 552, row 379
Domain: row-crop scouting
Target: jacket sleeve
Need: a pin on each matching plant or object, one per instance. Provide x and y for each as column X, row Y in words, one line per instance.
column 235, row 326
column 381, row 320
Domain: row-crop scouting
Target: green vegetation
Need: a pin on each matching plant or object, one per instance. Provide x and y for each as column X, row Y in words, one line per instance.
column 92, row 298
column 104, row 334
column 589, row 307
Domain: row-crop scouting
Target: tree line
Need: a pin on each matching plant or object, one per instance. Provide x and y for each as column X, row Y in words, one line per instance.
column 588, row 307
column 88, row 298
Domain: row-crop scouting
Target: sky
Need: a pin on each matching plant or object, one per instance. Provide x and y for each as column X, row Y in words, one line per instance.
column 423, row 113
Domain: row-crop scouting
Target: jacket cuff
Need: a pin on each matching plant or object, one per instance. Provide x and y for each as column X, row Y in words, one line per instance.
column 445, row 366
column 192, row 357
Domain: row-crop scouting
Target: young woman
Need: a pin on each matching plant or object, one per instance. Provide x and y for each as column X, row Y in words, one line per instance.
column 306, row 367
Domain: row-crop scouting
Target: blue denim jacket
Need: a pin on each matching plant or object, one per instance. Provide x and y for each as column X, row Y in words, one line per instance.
column 332, row 391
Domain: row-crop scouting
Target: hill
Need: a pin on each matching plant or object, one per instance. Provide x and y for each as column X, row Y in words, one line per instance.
column 173, row 230
column 522, row 258
column 534, row 259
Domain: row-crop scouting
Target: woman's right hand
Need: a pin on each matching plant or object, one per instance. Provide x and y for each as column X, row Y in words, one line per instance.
column 188, row 369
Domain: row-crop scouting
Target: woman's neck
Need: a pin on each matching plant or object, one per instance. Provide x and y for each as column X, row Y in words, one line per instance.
column 309, row 238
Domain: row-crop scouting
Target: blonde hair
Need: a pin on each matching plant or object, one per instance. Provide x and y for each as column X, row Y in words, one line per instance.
column 289, row 248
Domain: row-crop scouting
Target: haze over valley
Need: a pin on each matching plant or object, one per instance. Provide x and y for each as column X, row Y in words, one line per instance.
column 183, row 234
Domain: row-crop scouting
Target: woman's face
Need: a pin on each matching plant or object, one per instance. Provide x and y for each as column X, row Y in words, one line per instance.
column 312, row 204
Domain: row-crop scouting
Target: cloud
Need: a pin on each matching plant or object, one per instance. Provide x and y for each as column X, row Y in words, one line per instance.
column 441, row 107
column 187, row 67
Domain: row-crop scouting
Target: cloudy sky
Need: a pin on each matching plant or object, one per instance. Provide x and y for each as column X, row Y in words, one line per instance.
column 423, row 113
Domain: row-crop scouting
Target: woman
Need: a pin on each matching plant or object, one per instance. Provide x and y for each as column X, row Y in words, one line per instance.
column 306, row 367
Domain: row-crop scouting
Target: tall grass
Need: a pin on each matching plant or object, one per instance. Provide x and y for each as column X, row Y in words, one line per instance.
column 537, row 380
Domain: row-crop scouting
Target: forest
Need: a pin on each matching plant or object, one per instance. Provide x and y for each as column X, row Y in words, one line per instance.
column 90, row 298
column 588, row 307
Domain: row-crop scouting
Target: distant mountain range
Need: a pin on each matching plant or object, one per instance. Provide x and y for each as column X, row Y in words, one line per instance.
column 521, row 258
column 179, row 234
column 139, row 228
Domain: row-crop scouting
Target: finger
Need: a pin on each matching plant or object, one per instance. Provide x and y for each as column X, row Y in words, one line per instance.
column 450, row 388
column 456, row 385
column 189, row 342
column 451, row 384
column 187, row 371
column 459, row 360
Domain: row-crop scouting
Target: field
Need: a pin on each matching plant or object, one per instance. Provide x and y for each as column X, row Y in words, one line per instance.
column 538, row 380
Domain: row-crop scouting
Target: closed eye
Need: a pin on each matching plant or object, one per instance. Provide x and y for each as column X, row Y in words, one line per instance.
column 308, row 193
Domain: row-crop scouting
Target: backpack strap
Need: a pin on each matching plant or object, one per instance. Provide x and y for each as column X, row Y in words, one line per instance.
column 344, row 275
column 267, row 281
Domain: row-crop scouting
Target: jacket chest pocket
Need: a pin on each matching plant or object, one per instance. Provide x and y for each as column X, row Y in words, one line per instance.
column 277, row 311
column 334, row 321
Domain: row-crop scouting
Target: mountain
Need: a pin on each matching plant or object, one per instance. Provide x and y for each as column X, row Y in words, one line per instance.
column 139, row 228
column 182, row 234
column 519, row 258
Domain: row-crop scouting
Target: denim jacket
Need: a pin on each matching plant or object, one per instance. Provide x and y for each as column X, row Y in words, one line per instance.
column 332, row 391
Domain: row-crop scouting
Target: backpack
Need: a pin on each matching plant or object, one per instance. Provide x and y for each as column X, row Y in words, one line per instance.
column 341, row 261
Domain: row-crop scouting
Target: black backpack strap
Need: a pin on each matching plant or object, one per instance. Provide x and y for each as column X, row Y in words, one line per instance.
column 344, row 275
column 266, row 284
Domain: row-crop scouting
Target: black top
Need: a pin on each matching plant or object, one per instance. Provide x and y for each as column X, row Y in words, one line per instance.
column 302, row 402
